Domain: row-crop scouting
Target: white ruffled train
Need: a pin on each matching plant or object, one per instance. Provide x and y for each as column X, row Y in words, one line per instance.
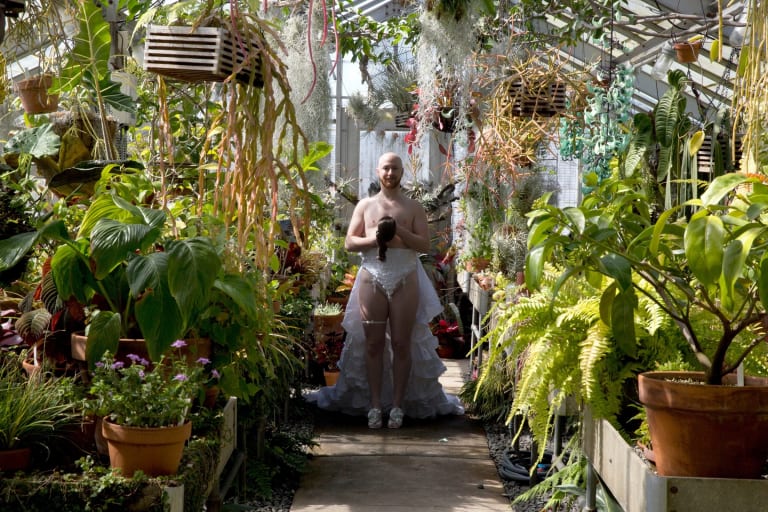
column 424, row 397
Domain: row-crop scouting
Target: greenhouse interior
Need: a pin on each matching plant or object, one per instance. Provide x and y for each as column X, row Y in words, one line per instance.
column 384, row 255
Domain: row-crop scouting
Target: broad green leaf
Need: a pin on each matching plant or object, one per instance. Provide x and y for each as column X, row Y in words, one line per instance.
column 762, row 282
column 666, row 117
column 639, row 143
column 112, row 241
column 731, row 271
column 39, row 141
column 618, row 267
column 606, row 302
column 91, row 50
column 703, row 243
column 721, row 186
column 14, row 248
column 70, row 271
column 157, row 313
column 193, row 265
column 623, row 321
column 734, row 260
column 241, row 292
column 659, row 228
column 576, row 217
column 534, row 266
column 104, row 333
column 540, row 231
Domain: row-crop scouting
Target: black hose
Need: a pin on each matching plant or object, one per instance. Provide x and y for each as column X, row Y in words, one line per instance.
column 515, row 465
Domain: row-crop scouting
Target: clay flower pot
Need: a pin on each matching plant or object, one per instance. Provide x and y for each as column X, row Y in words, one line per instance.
column 33, row 93
column 155, row 451
column 687, row 52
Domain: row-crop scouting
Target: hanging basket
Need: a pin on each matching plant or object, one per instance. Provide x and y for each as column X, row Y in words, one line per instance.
column 202, row 54
column 687, row 52
column 33, row 93
column 538, row 99
column 706, row 154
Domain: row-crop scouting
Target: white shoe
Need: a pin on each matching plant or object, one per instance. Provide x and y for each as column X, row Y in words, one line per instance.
column 374, row 418
column 395, row 418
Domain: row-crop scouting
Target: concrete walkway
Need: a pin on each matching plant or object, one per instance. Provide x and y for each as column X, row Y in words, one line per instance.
column 430, row 465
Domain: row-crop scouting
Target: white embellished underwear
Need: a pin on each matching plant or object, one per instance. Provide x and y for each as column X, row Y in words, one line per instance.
column 389, row 275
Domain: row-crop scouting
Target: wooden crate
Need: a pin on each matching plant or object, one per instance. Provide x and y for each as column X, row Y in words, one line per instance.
column 545, row 100
column 203, row 54
column 705, row 155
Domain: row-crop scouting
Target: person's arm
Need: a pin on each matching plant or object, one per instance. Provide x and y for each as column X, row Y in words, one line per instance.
column 418, row 239
column 356, row 239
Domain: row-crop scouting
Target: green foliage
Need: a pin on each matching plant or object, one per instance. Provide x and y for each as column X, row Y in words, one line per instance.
column 567, row 352
column 33, row 409
column 136, row 395
column 492, row 400
column 705, row 272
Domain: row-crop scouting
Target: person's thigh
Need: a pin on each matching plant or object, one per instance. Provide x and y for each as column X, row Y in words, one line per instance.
column 402, row 310
column 374, row 309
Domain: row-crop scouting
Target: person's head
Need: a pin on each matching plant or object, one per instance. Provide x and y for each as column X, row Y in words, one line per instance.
column 389, row 170
column 385, row 231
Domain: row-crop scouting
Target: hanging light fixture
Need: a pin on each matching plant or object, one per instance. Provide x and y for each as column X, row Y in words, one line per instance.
column 664, row 62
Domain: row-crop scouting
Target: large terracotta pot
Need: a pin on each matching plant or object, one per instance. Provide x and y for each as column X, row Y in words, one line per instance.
column 195, row 349
column 17, row 459
column 700, row 430
column 155, row 451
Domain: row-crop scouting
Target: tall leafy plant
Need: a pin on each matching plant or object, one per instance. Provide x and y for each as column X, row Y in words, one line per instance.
column 712, row 265
column 87, row 67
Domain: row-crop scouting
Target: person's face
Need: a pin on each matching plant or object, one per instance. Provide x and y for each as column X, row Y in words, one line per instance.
column 390, row 171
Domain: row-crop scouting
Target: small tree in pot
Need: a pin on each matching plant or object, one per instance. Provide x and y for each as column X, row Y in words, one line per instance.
column 712, row 263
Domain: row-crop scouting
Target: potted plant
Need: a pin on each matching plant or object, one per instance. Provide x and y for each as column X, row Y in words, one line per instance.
column 135, row 280
column 33, row 410
column 328, row 336
column 705, row 271
column 146, row 409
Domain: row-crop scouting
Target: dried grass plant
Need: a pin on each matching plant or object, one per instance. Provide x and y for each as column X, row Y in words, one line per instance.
column 750, row 94
column 509, row 142
column 253, row 148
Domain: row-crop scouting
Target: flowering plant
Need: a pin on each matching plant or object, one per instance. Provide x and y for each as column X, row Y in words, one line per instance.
column 328, row 350
column 444, row 329
column 139, row 394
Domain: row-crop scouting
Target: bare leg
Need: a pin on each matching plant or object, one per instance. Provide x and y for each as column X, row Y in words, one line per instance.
column 374, row 310
column 402, row 315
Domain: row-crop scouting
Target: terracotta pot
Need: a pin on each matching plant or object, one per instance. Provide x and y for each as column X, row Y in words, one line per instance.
column 326, row 325
column 195, row 349
column 700, row 430
column 687, row 52
column 331, row 376
column 155, row 451
column 17, row 459
column 34, row 96
column 445, row 351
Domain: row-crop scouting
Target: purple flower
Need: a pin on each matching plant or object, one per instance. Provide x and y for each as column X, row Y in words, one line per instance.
column 133, row 357
column 117, row 365
column 99, row 364
column 215, row 373
column 144, row 362
column 203, row 361
column 141, row 374
column 180, row 377
column 179, row 344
